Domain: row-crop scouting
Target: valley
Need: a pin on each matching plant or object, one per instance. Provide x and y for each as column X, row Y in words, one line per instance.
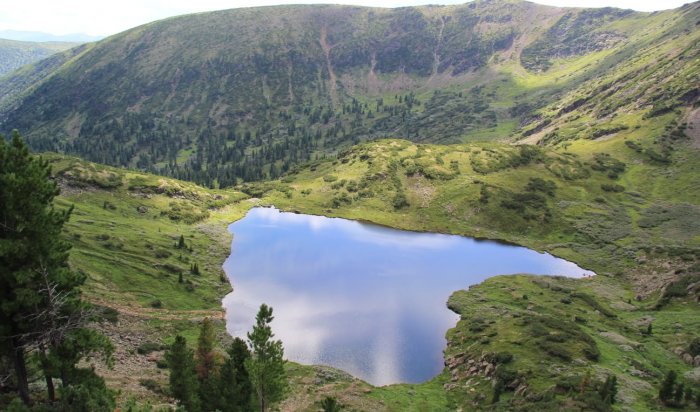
column 567, row 131
column 616, row 306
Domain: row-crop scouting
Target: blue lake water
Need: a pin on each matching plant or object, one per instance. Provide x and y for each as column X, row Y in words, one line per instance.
column 364, row 298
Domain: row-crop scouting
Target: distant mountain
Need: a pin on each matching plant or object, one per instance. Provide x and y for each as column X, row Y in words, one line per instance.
column 15, row 54
column 36, row 36
column 245, row 94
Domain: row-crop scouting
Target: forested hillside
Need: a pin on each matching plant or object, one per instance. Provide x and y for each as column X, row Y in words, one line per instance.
column 245, row 94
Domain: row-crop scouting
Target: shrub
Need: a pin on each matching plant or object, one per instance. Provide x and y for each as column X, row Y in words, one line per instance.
column 603, row 162
column 591, row 353
column 612, row 188
column 590, row 301
column 503, row 357
column 694, row 348
column 162, row 254
column 484, row 195
column 537, row 184
column 557, row 351
column 152, row 386
column 400, row 201
column 341, row 199
column 148, row 347
column 108, row 314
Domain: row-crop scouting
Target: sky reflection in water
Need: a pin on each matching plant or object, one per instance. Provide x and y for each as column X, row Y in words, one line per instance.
column 363, row 298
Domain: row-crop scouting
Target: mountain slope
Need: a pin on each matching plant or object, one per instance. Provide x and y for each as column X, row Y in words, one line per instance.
column 15, row 54
column 275, row 86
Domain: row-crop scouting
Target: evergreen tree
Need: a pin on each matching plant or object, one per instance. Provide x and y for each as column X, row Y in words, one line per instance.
column 497, row 391
column 330, row 404
column 608, row 389
column 666, row 390
column 205, row 355
column 181, row 242
column 41, row 304
column 678, row 394
column 194, row 269
column 235, row 389
column 266, row 365
column 183, row 378
column 206, row 365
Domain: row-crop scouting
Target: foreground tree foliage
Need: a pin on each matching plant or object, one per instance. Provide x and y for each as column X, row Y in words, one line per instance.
column 266, row 366
column 184, row 385
column 249, row 376
column 43, row 319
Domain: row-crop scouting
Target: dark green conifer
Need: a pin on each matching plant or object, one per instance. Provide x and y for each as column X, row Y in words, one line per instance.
column 41, row 304
column 183, row 379
column 667, row 386
column 266, row 365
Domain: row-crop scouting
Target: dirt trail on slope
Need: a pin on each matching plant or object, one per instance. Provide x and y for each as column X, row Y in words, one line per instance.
column 331, row 74
column 436, row 52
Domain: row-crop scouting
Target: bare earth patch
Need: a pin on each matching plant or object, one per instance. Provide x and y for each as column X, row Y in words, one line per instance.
column 420, row 186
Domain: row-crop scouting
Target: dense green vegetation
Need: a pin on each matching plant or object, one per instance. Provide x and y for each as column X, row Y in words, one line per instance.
column 239, row 381
column 180, row 98
column 44, row 323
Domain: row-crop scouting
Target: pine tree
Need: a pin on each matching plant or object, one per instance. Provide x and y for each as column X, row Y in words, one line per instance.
column 205, row 355
column 183, row 379
column 678, row 394
column 194, row 269
column 181, row 242
column 206, row 366
column 41, row 304
column 330, row 404
column 666, row 390
column 235, row 389
column 266, row 366
column 608, row 390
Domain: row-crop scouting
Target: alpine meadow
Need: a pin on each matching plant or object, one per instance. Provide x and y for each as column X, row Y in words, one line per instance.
column 573, row 132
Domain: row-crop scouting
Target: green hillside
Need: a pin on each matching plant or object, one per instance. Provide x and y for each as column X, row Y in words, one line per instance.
column 15, row 54
column 547, row 343
column 245, row 94
column 604, row 205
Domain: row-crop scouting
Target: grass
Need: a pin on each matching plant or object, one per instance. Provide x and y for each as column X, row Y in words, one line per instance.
column 606, row 204
column 125, row 235
column 617, row 234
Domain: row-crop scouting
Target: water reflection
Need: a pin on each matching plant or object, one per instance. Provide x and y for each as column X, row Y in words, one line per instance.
column 364, row 298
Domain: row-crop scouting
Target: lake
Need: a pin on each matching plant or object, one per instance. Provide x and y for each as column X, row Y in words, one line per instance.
column 367, row 299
